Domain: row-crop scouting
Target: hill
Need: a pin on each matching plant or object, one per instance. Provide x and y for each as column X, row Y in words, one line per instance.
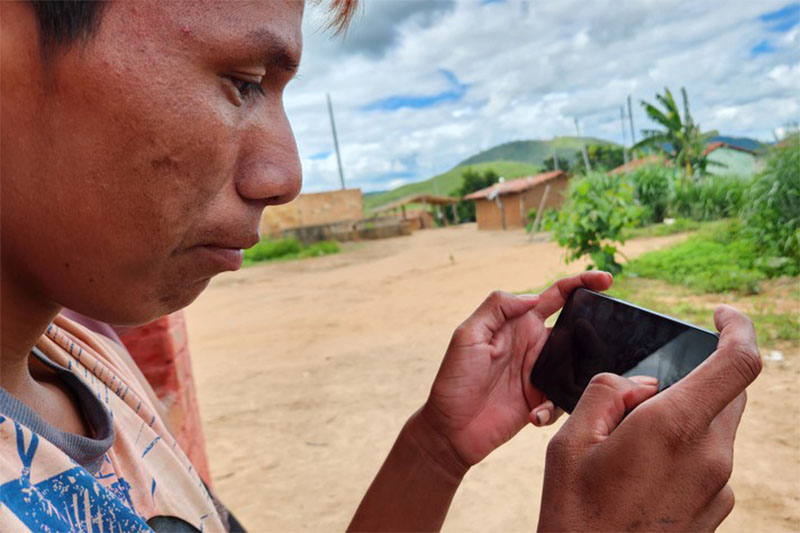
column 533, row 152
column 449, row 181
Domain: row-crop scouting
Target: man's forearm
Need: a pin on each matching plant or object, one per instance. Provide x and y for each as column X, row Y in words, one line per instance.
column 415, row 485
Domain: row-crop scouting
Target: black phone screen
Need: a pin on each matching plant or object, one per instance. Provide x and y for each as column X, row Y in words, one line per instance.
column 596, row 333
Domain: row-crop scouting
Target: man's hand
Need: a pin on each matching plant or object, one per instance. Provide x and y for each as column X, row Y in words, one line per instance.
column 482, row 395
column 481, row 398
column 666, row 465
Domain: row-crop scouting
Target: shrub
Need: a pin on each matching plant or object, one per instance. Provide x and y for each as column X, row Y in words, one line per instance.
column 597, row 210
column 291, row 248
column 651, row 188
column 771, row 213
column 710, row 198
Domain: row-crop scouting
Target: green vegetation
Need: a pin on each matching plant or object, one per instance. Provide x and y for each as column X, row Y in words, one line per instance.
column 472, row 181
column 449, row 181
column 715, row 260
column 598, row 208
column 534, row 152
column 285, row 249
column 772, row 211
column 709, row 198
column 651, row 188
column 677, row 225
column 681, row 136
column 772, row 320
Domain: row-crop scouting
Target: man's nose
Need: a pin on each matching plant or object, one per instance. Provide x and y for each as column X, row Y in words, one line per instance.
column 269, row 167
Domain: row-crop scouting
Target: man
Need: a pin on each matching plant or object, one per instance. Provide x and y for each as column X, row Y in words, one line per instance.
column 140, row 143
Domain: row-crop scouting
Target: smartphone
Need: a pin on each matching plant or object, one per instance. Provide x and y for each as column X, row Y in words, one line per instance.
column 597, row 333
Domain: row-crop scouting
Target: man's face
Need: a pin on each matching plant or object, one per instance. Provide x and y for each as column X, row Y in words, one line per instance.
column 135, row 167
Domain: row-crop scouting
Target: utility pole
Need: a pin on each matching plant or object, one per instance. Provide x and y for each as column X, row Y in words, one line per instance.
column 335, row 139
column 622, row 123
column 583, row 147
column 630, row 117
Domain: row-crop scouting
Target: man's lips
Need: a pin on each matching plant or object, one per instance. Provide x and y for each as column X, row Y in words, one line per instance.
column 224, row 258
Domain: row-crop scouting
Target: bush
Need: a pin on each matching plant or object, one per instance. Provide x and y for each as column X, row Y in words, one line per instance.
column 597, row 210
column 651, row 188
column 291, row 248
column 710, row 198
column 704, row 264
column 771, row 212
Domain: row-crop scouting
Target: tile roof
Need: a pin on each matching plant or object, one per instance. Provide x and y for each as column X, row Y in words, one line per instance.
column 515, row 186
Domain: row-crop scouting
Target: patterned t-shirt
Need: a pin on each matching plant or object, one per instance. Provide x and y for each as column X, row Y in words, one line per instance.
column 130, row 476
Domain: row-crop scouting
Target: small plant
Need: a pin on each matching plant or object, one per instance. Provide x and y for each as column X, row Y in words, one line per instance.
column 651, row 188
column 598, row 209
column 771, row 211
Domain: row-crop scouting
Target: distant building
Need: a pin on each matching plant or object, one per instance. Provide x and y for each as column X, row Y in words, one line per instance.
column 313, row 209
column 505, row 205
column 732, row 159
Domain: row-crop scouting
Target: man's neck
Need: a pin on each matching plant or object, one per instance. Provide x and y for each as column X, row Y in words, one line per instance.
column 24, row 316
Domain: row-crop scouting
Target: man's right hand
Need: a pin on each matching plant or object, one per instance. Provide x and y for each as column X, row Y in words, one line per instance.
column 666, row 465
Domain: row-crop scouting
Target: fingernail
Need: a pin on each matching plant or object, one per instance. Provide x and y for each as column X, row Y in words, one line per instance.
column 528, row 297
column 543, row 416
column 650, row 381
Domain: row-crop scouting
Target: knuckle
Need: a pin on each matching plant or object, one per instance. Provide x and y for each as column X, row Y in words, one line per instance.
column 495, row 296
column 557, row 448
column 718, row 470
column 746, row 361
column 605, row 380
column 727, row 499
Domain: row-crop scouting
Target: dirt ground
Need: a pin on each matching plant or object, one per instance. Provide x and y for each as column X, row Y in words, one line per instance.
column 306, row 371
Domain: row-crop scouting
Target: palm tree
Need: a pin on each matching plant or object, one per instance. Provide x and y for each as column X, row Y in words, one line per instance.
column 681, row 136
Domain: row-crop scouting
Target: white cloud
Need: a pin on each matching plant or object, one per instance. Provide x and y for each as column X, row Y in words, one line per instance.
column 531, row 68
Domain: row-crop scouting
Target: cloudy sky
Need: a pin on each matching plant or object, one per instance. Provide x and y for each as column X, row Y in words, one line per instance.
column 419, row 85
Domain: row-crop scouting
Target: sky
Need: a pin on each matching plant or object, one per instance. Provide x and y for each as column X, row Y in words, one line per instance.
column 419, row 85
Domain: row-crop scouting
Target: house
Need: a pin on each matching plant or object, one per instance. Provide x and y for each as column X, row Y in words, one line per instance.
column 731, row 159
column 421, row 216
column 313, row 209
column 505, row 205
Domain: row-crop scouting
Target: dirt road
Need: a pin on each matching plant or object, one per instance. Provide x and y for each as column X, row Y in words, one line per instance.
column 307, row 370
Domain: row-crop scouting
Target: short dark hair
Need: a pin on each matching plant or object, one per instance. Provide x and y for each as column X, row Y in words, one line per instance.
column 62, row 22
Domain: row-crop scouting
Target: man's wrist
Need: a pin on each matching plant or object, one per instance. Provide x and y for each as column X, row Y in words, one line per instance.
column 434, row 447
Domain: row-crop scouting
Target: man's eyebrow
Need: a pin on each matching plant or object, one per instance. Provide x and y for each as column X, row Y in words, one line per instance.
column 270, row 50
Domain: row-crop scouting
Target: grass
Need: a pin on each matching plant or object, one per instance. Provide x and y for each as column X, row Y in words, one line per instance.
column 714, row 260
column 774, row 312
column 680, row 225
column 286, row 249
column 449, row 181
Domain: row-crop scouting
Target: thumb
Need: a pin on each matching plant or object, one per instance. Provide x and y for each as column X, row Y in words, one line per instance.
column 604, row 403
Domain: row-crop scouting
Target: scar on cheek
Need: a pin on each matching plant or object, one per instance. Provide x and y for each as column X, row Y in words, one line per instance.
column 167, row 161
column 186, row 30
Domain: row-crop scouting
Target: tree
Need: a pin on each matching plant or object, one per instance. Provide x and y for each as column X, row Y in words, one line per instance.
column 472, row 181
column 563, row 164
column 681, row 139
column 601, row 157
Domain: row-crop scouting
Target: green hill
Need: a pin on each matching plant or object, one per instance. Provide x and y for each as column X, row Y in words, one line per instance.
column 449, row 181
column 533, row 152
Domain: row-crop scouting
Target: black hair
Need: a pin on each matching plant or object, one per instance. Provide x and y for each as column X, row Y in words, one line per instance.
column 62, row 22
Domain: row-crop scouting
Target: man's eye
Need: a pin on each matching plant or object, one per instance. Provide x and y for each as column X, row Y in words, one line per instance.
column 247, row 89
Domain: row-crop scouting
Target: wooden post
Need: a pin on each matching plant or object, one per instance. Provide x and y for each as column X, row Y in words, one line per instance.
column 522, row 207
column 538, row 219
column 455, row 214
column 403, row 208
column 502, row 212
